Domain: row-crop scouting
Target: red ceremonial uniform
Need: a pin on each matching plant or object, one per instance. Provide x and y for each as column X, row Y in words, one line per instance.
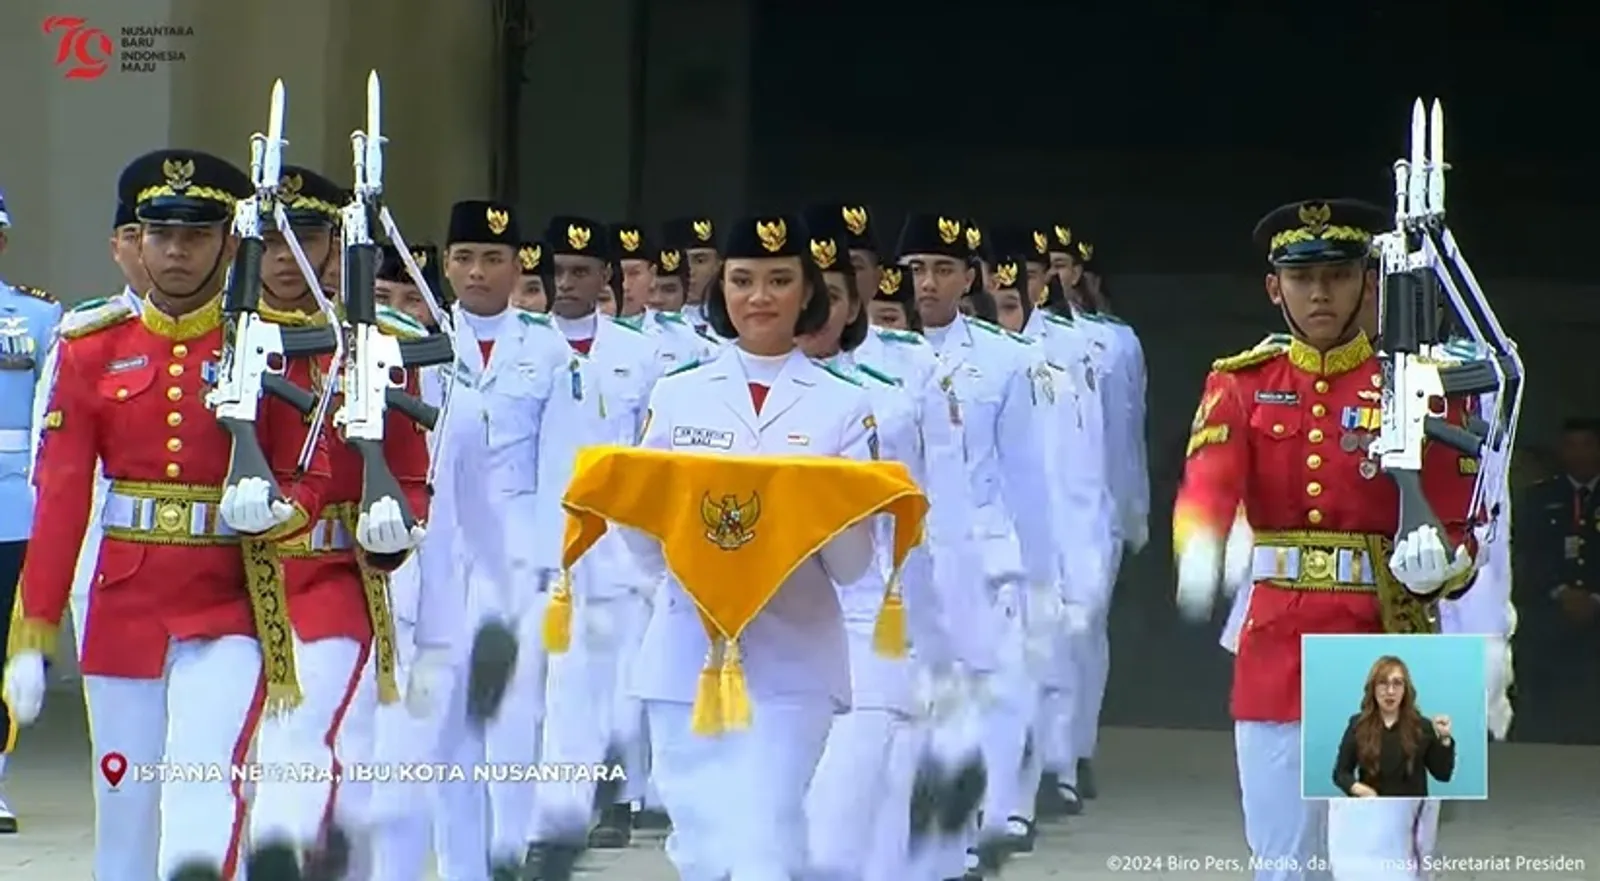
column 1280, row 430
column 130, row 397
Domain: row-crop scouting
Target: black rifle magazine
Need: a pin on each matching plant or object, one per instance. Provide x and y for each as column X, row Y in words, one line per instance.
column 427, row 352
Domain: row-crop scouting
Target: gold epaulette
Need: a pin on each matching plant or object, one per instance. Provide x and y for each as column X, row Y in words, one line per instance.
column 36, row 293
column 1261, row 353
column 92, row 316
column 290, row 317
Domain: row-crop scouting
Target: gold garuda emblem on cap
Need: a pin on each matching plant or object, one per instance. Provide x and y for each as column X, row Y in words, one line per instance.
column 1315, row 215
column 179, row 173
column 855, row 219
column 1086, row 251
column 702, row 230
column 773, row 235
column 578, row 236
column 629, row 239
column 730, row 523
column 289, row 187
column 1063, row 235
column 949, row 230
column 498, row 220
column 974, row 238
column 529, row 256
column 419, row 257
column 825, row 252
column 1041, row 242
column 1005, row 274
column 671, row 260
column 889, row 281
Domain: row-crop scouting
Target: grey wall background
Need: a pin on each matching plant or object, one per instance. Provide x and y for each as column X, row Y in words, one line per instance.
column 1108, row 120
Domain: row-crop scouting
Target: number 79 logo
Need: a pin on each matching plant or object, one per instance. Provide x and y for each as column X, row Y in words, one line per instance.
column 84, row 52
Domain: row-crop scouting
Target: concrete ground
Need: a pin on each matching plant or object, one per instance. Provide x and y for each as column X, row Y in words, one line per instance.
column 1168, row 794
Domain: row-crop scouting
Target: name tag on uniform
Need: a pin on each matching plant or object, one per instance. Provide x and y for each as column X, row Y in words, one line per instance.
column 1284, row 398
column 123, row 365
column 799, row 440
column 689, row 436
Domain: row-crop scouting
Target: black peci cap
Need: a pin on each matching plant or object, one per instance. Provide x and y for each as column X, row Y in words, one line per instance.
column 829, row 235
column 896, row 286
column 767, row 235
column 481, row 222
column 942, row 235
column 578, row 237
column 633, row 242
column 689, row 233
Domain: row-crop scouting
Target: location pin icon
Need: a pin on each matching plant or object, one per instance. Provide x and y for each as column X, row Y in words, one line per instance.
column 113, row 766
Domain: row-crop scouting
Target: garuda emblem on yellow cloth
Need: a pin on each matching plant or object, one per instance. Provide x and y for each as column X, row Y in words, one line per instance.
column 730, row 523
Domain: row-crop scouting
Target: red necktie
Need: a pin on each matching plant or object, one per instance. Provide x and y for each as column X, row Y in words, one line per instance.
column 581, row 346
column 486, row 346
column 758, row 395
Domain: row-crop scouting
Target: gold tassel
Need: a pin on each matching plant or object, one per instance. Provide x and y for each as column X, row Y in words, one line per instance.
column 889, row 631
column 706, row 717
column 558, row 617
column 735, row 695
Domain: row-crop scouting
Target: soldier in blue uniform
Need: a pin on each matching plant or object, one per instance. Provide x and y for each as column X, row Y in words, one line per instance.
column 28, row 319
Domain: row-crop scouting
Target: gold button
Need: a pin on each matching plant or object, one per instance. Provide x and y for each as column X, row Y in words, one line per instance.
column 122, row 394
column 174, row 445
column 1313, row 516
column 1277, row 429
column 173, row 470
column 1313, row 461
column 174, row 418
column 180, row 350
column 1313, row 488
column 174, row 393
column 174, row 369
column 1318, row 410
column 1314, row 435
column 1321, row 386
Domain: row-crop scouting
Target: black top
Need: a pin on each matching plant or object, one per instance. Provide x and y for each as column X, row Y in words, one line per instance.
column 1437, row 759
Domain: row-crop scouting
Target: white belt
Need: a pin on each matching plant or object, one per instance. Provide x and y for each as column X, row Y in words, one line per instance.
column 1336, row 566
column 171, row 517
column 15, row 440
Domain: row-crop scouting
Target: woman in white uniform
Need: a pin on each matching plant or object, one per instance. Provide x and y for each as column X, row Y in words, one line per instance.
column 737, row 799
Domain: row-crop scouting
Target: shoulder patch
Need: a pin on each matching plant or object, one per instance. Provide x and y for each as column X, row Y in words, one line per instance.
column 671, row 318
column 398, row 324
column 997, row 330
column 93, row 316
column 36, row 293
column 836, row 372
column 879, row 375
column 533, row 318
column 685, row 368
column 623, row 322
column 902, row 336
column 1260, row 354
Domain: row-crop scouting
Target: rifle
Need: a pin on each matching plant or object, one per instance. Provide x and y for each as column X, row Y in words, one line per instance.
column 378, row 362
column 252, row 348
column 1423, row 273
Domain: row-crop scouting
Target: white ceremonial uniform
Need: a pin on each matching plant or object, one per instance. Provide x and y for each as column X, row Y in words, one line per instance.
column 737, row 801
column 497, row 417
column 1124, row 396
column 429, row 604
column 858, row 805
column 993, row 383
column 678, row 344
column 599, row 401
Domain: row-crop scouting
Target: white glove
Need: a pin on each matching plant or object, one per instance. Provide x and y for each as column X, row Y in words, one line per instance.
column 1199, row 566
column 1498, row 677
column 428, row 683
column 1075, row 617
column 24, row 688
column 1238, row 557
column 248, row 507
column 1423, row 564
column 381, row 529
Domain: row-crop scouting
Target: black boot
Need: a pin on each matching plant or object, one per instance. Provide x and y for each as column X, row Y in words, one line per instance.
column 550, row 861
column 489, row 669
column 1047, row 802
column 615, row 829
column 330, row 861
column 273, row 862
column 1086, row 784
column 651, row 820
column 962, row 795
column 197, row 871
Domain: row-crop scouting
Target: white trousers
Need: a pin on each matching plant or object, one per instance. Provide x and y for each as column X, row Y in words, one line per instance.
column 1008, row 716
column 737, row 800
column 1382, row 839
column 1286, row 833
column 1092, row 657
column 848, row 800
column 297, row 750
column 204, row 714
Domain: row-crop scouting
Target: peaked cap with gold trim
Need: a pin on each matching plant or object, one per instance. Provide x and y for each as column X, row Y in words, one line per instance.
column 633, row 242
column 391, row 268
column 689, row 233
column 942, row 235
column 182, row 187
column 482, row 222
column 767, row 235
column 308, row 198
column 829, row 242
column 124, row 216
column 1319, row 231
column 578, row 237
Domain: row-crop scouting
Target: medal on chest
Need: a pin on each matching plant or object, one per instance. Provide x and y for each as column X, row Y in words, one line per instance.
column 16, row 344
column 952, row 402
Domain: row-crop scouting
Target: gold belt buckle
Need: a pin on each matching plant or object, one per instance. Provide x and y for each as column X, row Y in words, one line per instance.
column 170, row 517
column 1317, row 565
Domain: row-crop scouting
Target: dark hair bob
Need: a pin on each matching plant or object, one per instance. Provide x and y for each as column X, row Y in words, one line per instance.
column 854, row 333
column 813, row 315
